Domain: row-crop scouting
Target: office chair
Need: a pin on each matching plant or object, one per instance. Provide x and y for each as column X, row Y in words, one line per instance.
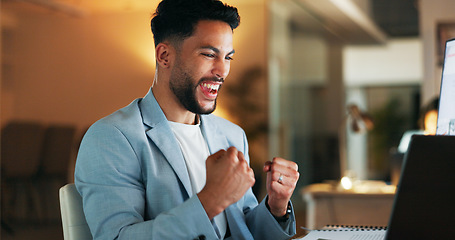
column 56, row 157
column 73, row 219
column 21, row 144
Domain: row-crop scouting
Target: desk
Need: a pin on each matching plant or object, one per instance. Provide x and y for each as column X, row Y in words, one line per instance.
column 326, row 205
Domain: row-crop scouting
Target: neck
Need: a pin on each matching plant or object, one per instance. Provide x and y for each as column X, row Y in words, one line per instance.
column 171, row 106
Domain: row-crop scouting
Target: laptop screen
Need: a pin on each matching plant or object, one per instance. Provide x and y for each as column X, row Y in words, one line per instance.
column 446, row 113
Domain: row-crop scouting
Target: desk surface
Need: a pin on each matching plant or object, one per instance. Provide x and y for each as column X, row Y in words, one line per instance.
column 365, row 188
column 326, row 205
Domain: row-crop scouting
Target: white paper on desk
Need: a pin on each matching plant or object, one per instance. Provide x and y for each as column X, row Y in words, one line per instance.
column 377, row 234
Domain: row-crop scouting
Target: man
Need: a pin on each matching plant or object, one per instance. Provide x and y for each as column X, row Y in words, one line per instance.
column 163, row 167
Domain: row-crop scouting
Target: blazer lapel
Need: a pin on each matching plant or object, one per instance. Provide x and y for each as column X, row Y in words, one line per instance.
column 162, row 136
column 215, row 140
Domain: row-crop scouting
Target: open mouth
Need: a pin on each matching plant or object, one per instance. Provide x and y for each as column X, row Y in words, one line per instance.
column 210, row 89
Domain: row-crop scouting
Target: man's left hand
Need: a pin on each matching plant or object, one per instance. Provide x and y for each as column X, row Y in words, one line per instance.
column 282, row 176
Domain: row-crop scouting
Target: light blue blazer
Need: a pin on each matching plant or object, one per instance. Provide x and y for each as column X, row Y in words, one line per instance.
column 134, row 182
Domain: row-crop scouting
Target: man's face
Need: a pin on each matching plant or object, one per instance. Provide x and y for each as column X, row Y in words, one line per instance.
column 202, row 64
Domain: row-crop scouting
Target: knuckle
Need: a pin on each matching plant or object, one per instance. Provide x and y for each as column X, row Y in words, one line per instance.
column 273, row 166
column 294, row 165
column 253, row 181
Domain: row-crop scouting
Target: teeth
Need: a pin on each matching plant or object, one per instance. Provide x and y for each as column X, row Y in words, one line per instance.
column 211, row 86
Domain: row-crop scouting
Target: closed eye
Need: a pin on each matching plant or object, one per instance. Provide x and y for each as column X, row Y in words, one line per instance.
column 208, row 55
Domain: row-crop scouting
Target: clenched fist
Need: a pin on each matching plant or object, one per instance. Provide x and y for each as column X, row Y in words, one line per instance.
column 228, row 178
column 282, row 177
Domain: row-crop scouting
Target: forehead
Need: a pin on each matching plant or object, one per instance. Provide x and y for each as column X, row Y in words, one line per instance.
column 208, row 33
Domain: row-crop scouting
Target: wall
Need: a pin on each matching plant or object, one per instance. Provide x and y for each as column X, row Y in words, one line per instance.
column 77, row 70
column 398, row 62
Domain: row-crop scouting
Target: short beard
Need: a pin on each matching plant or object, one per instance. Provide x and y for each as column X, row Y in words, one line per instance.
column 183, row 88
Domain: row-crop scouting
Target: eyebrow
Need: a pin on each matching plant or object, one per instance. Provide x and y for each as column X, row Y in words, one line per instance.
column 216, row 50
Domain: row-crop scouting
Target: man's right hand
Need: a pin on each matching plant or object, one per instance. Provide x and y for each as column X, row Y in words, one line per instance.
column 228, row 178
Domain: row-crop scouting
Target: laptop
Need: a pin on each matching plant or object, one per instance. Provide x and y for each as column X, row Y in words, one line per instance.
column 424, row 205
column 446, row 113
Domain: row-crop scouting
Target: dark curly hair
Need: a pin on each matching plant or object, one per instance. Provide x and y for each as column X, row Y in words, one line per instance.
column 175, row 20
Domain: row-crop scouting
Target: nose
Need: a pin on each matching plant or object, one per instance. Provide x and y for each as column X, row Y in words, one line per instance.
column 221, row 68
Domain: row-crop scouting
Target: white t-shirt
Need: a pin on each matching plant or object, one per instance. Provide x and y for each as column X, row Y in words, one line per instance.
column 195, row 151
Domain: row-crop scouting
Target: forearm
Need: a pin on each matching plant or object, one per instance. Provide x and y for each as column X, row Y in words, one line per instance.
column 121, row 220
column 186, row 221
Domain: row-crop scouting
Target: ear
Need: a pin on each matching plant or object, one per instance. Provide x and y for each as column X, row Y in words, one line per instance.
column 163, row 55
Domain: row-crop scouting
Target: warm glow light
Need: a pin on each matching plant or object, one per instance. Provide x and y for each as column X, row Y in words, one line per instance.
column 129, row 33
column 141, row 45
column 221, row 112
column 430, row 122
column 346, row 183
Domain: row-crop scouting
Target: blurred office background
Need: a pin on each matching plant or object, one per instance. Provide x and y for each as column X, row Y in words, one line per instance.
column 298, row 65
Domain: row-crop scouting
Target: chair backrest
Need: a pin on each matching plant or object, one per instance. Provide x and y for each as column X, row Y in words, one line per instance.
column 73, row 219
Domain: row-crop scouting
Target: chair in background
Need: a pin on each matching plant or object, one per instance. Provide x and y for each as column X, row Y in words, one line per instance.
column 56, row 157
column 73, row 219
column 21, row 147
column 57, row 151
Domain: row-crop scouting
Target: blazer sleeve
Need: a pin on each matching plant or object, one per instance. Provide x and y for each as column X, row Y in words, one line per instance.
column 108, row 177
column 260, row 218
